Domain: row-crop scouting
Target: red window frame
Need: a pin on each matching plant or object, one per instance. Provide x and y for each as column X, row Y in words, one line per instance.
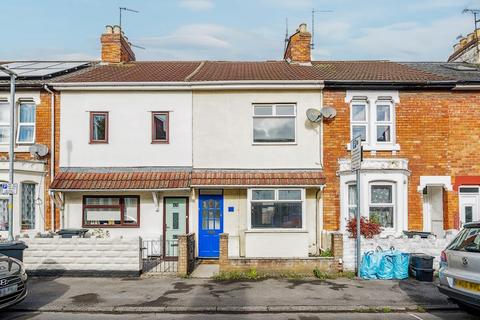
column 167, row 138
column 103, row 113
column 120, row 205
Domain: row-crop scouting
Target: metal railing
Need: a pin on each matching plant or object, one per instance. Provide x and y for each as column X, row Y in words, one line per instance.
column 159, row 257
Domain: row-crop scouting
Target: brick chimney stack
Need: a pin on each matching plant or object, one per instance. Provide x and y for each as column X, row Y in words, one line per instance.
column 467, row 49
column 299, row 46
column 115, row 46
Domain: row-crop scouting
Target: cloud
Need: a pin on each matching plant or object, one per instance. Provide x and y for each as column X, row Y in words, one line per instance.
column 196, row 5
column 212, row 42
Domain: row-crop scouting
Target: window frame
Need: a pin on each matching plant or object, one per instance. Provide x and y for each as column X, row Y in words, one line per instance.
column 351, row 206
column 34, row 205
column 5, row 124
column 167, row 138
column 26, row 124
column 274, row 115
column 393, row 204
column 365, row 123
column 107, row 123
column 4, row 198
column 390, row 123
column 121, row 206
column 275, row 200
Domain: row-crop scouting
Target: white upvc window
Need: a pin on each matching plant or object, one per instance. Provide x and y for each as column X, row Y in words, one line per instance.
column 4, row 122
column 384, row 128
column 277, row 208
column 274, row 123
column 381, row 207
column 26, row 123
column 352, row 200
column 359, row 120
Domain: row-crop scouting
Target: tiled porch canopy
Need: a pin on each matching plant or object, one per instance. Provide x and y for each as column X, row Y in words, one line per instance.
column 150, row 179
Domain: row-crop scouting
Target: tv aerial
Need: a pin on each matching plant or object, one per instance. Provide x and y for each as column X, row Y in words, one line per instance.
column 314, row 12
column 120, row 9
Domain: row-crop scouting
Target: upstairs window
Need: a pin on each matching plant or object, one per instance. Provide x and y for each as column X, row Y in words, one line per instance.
column 160, row 127
column 98, row 127
column 26, row 123
column 359, row 120
column 274, row 123
column 383, row 123
column 4, row 122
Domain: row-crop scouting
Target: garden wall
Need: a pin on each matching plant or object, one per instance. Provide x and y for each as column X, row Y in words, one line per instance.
column 432, row 246
column 83, row 256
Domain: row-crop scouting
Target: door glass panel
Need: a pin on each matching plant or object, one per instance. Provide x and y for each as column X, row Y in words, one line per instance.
column 175, row 220
column 468, row 214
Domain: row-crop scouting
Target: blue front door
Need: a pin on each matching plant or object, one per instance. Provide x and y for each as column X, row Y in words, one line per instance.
column 210, row 225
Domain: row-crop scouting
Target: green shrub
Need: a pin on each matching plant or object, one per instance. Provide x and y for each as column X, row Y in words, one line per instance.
column 326, row 253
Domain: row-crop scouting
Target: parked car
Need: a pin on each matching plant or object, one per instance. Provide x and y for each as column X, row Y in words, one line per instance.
column 13, row 281
column 460, row 267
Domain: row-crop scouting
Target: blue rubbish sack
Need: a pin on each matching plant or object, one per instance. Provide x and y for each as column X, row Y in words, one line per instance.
column 400, row 265
column 386, row 265
column 370, row 264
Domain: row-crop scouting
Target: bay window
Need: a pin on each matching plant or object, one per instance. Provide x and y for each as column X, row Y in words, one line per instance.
column 277, row 208
column 352, row 200
column 382, row 204
column 274, row 123
column 4, row 122
column 111, row 211
column 26, row 123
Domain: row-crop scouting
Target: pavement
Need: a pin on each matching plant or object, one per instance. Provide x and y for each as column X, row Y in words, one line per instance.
column 178, row 295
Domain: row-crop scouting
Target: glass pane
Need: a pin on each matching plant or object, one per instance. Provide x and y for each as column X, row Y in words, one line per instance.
column 3, row 214
column 130, row 215
column 383, row 133
column 4, row 113
column 289, row 195
column 211, row 224
column 204, row 220
column 25, row 133
column 382, row 215
column 359, row 131
column 175, row 220
column 274, row 129
column 352, row 194
column 160, row 126
column 102, row 201
column 467, row 240
column 468, row 214
column 286, row 110
column 28, row 206
column 263, row 194
column 277, row 215
column 262, row 110
column 4, row 134
column 27, row 113
column 469, row 190
column 359, row 112
column 383, row 113
column 99, row 126
column 352, row 212
column 381, row 194
column 103, row 216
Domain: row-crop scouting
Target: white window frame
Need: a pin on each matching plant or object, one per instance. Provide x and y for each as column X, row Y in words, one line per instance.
column 5, row 124
column 274, row 115
column 461, row 199
column 276, row 190
column 26, row 124
column 35, row 213
column 384, row 205
column 389, row 123
column 351, row 206
column 364, row 123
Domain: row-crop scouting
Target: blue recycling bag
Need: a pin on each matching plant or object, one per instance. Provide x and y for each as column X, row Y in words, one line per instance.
column 400, row 265
column 369, row 265
column 386, row 266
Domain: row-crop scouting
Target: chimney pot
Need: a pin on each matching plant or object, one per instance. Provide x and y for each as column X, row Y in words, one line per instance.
column 117, row 29
column 108, row 29
column 470, row 37
column 302, row 28
column 115, row 46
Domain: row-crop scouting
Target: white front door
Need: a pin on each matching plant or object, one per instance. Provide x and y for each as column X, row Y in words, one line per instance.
column 433, row 210
column 468, row 208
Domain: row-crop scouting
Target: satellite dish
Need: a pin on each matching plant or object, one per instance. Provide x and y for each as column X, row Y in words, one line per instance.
column 328, row 112
column 313, row 115
column 38, row 150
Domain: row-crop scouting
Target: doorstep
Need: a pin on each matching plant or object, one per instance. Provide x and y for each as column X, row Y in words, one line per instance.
column 205, row 270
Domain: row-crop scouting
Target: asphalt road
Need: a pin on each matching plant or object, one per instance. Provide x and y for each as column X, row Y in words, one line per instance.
column 457, row 315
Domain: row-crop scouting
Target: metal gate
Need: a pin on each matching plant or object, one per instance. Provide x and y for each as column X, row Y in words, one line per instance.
column 159, row 258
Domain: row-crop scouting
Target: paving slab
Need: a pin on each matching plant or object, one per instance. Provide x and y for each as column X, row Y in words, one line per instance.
column 205, row 271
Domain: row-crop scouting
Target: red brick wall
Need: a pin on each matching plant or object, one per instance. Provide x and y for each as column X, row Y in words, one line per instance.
column 438, row 132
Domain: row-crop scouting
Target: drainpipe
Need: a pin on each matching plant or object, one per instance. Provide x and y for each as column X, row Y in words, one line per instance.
column 52, row 153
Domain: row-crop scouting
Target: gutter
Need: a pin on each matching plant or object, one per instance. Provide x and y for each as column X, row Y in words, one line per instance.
column 256, row 186
column 349, row 84
column 466, row 87
column 52, row 151
column 118, row 190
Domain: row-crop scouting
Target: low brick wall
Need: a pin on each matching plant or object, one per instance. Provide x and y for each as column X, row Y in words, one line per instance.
column 186, row 254
column 278, row 265
column 83, row 256
column 432, row 246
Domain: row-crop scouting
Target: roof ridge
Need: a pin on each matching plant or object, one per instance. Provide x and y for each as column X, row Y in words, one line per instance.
column 194, row 72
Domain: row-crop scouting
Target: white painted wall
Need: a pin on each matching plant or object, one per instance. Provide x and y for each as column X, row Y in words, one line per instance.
column 26, row 171
column 151, row 220
column 223, row 131
column 276, row 244
column 130, row 129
